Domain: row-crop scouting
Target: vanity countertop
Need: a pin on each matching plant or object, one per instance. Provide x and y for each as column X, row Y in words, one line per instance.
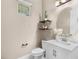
column 71, row 46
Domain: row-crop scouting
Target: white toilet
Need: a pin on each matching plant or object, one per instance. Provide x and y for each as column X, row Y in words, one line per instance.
column 38, row 53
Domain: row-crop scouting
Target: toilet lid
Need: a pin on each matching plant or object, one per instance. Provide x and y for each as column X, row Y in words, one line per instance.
column 37, row 51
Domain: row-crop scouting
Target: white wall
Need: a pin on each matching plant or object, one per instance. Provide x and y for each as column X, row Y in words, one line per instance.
column 16, row 30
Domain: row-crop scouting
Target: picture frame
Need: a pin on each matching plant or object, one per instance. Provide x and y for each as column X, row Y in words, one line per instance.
column 24, row 8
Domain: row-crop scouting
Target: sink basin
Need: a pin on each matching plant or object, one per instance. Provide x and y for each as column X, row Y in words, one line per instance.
column 64, row 40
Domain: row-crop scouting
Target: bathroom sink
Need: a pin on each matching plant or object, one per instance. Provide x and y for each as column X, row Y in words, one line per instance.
column 64, row 38
column 64, row 42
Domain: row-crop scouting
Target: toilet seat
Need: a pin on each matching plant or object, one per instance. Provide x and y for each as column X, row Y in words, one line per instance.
column 37, row 52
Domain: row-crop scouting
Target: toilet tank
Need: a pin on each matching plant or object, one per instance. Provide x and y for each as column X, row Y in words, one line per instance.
column 57, row 50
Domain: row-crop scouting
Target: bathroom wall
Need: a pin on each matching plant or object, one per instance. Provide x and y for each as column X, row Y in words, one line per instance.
column 16, row 29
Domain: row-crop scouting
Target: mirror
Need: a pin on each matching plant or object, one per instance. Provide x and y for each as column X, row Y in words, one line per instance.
column 63, row 20
column 65, row 16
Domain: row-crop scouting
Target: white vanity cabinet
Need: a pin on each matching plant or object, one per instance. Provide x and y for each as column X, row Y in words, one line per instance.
column 58, row 50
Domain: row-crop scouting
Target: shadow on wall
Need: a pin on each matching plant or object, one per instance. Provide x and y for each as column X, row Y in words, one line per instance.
column 43, row 34
column 63, row 20
column 38, row 44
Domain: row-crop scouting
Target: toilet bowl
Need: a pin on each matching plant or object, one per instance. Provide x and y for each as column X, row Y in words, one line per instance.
column 38, row 53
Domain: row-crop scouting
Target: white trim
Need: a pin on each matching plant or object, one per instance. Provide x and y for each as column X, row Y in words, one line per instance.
column 25, row 2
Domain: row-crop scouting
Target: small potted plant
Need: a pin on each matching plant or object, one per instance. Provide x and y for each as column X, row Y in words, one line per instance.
column 45, row 24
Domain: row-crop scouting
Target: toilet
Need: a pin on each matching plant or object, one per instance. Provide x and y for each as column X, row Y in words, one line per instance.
column 38, row 53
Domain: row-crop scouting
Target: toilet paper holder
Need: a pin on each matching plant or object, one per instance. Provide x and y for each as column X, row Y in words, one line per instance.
column 25, row 44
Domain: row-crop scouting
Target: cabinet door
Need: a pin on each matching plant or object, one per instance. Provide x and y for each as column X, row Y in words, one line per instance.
column 61, row 53
column 54, row 52
column 48, row 49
